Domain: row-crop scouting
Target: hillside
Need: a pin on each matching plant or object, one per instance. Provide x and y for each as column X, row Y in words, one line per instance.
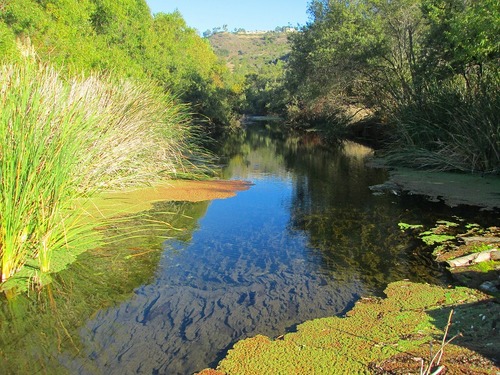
column 257, row 61
column 249, row 52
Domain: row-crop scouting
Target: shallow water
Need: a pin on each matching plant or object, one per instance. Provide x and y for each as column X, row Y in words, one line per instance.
column 305, row 241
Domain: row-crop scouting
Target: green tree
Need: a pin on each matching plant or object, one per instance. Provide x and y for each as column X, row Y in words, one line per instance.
column 463, row 39
column 428, row 67
column 8, row 50
column 108, row 36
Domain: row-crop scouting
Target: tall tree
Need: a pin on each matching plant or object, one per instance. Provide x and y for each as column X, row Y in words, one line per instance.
column 463, row 39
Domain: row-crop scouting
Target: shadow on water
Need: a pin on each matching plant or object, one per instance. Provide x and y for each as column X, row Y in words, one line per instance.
column 306, row 241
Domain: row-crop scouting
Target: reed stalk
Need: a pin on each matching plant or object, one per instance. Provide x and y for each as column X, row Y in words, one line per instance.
column 62, row 139
column 450, row 129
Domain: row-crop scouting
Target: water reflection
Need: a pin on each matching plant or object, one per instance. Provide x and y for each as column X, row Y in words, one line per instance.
column 304, row 242
column 244, row 272
column 36, row 328
column 259, row 263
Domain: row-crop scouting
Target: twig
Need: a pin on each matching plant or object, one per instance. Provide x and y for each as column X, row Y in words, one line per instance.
column 440, row 352
column 443, row 343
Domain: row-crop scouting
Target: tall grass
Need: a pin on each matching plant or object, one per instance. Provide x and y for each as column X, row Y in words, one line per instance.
column 450, row 129
column 64, row 138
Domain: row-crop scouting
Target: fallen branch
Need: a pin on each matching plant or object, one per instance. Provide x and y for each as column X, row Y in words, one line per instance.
column 467, row 260
column 489, row 239
column 430, row 370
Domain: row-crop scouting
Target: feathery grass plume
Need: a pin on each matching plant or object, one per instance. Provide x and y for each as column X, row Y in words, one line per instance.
column 62, row 139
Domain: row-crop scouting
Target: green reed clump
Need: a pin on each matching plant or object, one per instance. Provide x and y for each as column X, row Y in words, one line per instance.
column 450, row 128
column 64, row 138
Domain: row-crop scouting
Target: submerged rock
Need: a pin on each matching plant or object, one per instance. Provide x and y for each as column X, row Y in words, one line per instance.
column 491, row 286
column 388, row 187
column 452, row 188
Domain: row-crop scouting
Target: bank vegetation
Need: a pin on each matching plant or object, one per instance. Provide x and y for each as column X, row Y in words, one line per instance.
column 98, row 94
column 94, row 95
column 426, row 70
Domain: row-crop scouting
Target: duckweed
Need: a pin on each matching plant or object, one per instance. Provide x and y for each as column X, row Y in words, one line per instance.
column 375, row 330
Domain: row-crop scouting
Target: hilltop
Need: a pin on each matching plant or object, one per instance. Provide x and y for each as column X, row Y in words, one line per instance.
column 248, row 52
column 257, row 61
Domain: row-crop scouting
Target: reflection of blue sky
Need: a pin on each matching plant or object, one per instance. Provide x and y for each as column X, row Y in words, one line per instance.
column 250, row 267
column 243, row 273
column 267, row 200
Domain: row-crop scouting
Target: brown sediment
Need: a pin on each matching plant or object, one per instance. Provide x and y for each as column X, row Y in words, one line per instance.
column 110, row 204
column 191, row 191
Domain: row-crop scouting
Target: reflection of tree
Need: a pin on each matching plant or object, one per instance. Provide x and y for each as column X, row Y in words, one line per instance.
column 333, row 176
column 263, row 277
column 355, row 233
column 35, row 328
column 362, row 244
column 350, row 228
column 254, row 152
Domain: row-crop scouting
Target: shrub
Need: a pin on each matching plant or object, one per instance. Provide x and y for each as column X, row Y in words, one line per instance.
column 450, row 129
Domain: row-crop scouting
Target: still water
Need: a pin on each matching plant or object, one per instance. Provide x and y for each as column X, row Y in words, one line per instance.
column 307, row 240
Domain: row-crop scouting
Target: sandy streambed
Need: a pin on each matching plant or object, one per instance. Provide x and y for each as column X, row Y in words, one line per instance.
column 110, row 204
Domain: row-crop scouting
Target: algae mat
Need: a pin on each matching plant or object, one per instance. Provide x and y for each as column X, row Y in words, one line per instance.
column 391, row 335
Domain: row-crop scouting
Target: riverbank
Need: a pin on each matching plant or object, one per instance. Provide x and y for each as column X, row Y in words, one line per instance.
column 65, row 138
column 132, row 201
column 453, row 189
column 110, row 207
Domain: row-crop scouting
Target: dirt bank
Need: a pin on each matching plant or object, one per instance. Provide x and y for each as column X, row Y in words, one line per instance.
column 192, row 191
column 452, row 188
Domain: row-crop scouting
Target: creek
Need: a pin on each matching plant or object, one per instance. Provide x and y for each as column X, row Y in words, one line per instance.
column 307, row 240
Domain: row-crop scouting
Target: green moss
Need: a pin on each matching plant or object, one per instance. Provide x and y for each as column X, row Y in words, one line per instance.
column 376, row 329
column 405, row 226
column 432, row 239
column 477, row 248
column 474, row 227
column 487, row 266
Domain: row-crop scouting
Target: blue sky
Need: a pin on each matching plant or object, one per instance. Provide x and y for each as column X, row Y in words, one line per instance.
column 247, row 14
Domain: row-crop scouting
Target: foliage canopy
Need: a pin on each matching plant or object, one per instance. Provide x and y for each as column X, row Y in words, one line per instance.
column 122, row 38
column 429, row 68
